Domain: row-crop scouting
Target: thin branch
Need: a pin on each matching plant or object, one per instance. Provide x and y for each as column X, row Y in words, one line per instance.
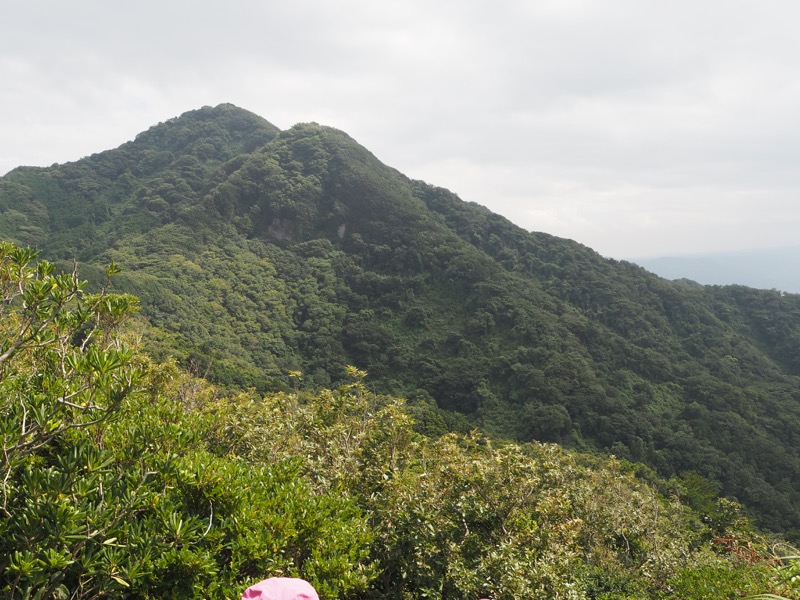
column 82, row 407
column 210, row 520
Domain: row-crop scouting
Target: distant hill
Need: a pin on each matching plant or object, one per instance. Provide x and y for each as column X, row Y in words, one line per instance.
column 774, row 268
column 259, row 253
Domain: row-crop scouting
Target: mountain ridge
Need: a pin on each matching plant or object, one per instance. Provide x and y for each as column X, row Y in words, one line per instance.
column 258, row 252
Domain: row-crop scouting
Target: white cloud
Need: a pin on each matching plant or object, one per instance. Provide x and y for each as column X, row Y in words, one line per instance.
column 633, row 127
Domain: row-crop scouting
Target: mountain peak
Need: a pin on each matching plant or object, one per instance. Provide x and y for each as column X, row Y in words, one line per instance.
column 224, row 125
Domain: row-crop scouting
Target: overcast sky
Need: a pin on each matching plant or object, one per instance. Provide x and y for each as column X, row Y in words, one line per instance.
column 636, row 127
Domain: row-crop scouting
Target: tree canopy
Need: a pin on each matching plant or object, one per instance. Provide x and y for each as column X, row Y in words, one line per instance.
column 256, row 253
column 127, row 477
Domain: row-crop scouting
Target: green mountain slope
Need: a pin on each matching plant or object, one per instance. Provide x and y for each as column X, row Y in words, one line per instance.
column 257, row 252
column 128, row 478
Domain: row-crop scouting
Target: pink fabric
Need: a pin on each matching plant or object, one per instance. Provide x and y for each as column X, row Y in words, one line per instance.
column 281, row 588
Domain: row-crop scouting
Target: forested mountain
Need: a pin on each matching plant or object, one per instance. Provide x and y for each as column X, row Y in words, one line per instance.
column 271, row 259
column 125, row 477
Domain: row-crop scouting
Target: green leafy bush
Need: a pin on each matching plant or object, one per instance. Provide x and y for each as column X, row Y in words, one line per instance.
column 107, row 488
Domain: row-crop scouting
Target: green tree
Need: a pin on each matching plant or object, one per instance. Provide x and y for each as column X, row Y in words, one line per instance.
column 108, row 489
column 62, row 371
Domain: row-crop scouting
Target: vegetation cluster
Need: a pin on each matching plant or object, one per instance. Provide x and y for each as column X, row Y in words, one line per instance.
column 127, row 477
column 269, row 261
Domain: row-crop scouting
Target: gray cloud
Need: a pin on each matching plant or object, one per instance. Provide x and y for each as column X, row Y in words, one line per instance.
column 635, row 128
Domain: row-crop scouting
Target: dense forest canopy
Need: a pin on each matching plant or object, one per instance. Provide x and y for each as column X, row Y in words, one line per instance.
column 124, row 477
column 271, row 260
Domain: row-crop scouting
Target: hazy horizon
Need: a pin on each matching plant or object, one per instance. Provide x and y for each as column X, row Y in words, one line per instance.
column 775, row 268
